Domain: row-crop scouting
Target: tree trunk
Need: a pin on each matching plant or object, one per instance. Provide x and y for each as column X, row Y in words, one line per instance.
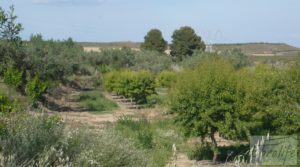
column 214, row 146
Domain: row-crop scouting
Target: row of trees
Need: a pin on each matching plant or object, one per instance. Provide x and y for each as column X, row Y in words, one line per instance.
column 30, row 65
column 184, row 42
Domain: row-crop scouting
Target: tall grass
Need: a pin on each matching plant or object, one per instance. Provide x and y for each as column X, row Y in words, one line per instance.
column 156, row 137
column 95, row 101
column 44, row 141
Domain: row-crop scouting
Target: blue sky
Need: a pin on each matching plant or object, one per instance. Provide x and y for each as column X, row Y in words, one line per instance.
column 217, row 21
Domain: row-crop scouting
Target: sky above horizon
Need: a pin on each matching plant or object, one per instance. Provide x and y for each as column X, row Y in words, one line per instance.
column 216, row 21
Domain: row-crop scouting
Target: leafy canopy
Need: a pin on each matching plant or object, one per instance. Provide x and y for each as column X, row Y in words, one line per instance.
column 184, row 42
column 154, row 41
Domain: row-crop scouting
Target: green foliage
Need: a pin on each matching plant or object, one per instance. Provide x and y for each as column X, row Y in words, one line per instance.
column 7, row 105
column 272, row 96
column 35, row 88
column 152, row 61
column 166, row 79
column 9, row 29
column 26, row 136
column 201, row 153
column 208, row 100
column 237, row 103
column 107, row 148
column 144, row 134
column 13, row 77
column 131, row 84
column 52, row 60
column 184, row 42
column 156, row 137
column 112, row 58
column 95, row 101
column 43, row 141
column 116, row 59
column 236, row 57
column 154, row 100
column 226, row 153
column 154, row 41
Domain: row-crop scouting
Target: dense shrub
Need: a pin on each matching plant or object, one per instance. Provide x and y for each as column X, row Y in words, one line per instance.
column 131, row 84
column 7, row 105
column 184, row 42
column 13, row 77
column 151, row 61
column 112, row 58
column 234, row 57
column 208, row 100
column 272, row 95
column 237, row 103
column 52, row 60
column 154, row 41
column 35, row 88
column 43, row 141
column 237, row 58
column 166, row 79
column 26, row 136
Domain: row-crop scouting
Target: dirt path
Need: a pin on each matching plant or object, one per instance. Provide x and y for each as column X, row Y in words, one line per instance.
column 97, row 119
column 68, row 108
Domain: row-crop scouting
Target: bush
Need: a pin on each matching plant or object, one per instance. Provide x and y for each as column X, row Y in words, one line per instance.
column 35, row 88
column 106, row 148
column 13, row 77
column 131, row 84
column 151, row 61
column 7, row 105
column 43, row 141
column 166, row 79
column 52, row 60
column 26, row 136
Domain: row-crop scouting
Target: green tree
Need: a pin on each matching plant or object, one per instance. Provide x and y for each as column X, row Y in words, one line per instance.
column 9, row 29
column 154, row 41
column 207, row 101
column 184, row 42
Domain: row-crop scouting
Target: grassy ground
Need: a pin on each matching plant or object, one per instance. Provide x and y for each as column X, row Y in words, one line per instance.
column 94, row 101
column 156, row 137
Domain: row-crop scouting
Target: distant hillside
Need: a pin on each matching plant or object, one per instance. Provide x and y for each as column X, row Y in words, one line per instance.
column 252, row 49
column 110, row 44
column 260, row 49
